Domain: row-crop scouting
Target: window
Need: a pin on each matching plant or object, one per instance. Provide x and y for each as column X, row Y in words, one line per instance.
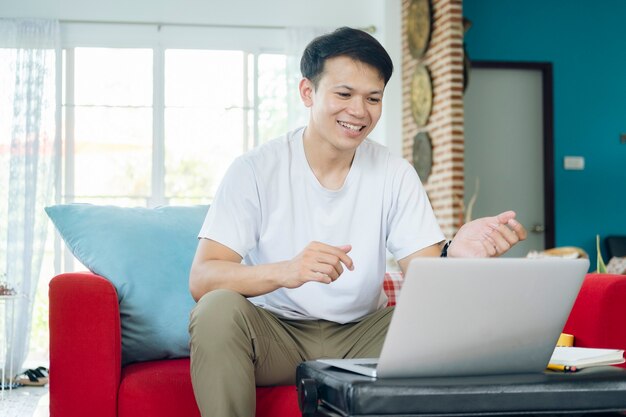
column 155, row 116
column 205, row 120
column 132, row 141
column 107, row 107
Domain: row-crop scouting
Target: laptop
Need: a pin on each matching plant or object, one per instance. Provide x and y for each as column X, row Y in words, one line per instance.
column 463, row 317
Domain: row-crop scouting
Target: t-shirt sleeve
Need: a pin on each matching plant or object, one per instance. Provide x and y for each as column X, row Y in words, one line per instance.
column 412, row 225
column 234, row 215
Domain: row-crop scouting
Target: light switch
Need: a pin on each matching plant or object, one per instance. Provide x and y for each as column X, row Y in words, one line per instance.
column 574, row 163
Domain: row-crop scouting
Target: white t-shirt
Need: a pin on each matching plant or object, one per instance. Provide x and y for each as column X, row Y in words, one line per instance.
column 270, row 205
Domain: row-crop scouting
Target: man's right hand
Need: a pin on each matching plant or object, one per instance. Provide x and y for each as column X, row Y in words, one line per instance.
column 217, row 266
column 317, row 262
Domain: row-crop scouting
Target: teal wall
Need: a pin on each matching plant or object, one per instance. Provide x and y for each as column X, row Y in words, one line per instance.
column 586, row 43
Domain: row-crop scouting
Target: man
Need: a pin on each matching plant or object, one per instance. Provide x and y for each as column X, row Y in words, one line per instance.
column 311, row 214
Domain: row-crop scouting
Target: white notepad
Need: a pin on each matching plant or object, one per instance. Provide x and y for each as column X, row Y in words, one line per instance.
column 586, row 357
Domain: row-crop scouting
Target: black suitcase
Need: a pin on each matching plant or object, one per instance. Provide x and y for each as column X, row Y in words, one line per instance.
column 327, row 391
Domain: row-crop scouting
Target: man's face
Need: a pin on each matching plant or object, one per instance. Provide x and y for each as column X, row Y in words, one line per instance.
column 346, row 104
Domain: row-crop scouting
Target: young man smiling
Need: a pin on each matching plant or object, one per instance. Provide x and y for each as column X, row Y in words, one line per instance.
column 311, row 215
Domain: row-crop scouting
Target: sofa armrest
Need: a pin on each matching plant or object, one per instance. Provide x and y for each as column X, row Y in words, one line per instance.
column 597, row 318
column 85, row 346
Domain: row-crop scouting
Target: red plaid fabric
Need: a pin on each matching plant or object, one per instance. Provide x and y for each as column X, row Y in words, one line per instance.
column 392, row 285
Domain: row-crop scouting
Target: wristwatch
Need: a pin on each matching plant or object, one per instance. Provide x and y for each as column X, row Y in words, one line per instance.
column 444, row 250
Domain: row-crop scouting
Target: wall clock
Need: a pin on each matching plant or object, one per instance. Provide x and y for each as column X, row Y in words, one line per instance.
column 422, row 155
column 418, row 27
column 421, row 95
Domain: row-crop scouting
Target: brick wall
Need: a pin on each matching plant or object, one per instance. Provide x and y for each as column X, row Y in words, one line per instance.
column 444, row 60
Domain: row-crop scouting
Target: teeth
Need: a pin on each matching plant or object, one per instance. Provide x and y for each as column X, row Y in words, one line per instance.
column 351, row 127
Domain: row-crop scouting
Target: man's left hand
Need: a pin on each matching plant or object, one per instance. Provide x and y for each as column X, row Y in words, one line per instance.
column 487, row 236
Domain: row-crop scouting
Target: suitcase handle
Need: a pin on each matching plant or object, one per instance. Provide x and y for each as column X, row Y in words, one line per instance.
column 307, row 396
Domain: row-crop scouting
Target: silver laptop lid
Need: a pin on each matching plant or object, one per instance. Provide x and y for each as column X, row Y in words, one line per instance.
column 460, row 317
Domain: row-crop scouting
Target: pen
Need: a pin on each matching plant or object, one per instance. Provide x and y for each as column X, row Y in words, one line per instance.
column 561, row 368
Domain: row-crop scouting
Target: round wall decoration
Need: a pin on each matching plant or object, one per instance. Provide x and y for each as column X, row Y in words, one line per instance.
column 421, row 95
column 422, row 155
column 418, row 27
column 467, row 63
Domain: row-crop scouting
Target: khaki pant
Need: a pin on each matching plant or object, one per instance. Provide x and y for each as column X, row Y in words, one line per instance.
column 236, row 346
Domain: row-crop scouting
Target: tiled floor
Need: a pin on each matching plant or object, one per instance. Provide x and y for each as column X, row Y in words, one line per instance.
column 25, row 402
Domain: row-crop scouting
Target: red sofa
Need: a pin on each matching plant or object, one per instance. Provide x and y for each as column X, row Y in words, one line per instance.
column 88, row 379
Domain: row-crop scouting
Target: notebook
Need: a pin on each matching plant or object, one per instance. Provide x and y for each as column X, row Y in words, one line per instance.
column 580, row 357
column 462, row 317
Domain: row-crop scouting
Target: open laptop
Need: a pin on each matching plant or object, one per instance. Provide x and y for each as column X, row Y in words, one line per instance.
column 461, row 317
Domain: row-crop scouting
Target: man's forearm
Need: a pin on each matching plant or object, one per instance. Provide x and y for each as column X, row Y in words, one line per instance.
column 247, row 280
column 429, row 251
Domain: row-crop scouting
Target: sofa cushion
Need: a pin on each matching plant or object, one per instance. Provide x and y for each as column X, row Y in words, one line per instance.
column 616, row 265
column 157, row 388
column 163, row 389
column 146, row 254
column 392, row 286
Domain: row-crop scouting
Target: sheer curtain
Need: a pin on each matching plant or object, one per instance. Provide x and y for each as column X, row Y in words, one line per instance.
column 28, row 53
column 297, row 39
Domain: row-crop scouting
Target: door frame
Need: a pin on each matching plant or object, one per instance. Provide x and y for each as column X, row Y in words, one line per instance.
column 548, row 135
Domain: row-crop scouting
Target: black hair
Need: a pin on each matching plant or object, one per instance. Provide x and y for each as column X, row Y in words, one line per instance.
column 352, row 43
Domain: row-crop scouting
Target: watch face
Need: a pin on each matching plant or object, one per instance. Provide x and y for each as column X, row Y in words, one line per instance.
column 422, row 155
column 418, row 27
column 421, row 95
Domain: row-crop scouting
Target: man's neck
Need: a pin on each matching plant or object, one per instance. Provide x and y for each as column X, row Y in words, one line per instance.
column 329, row 164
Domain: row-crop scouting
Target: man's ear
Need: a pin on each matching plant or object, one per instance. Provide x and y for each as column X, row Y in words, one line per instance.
column 307, row 89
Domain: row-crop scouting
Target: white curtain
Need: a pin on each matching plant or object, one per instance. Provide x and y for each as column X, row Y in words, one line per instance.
column 297, row 39
column 28, row 54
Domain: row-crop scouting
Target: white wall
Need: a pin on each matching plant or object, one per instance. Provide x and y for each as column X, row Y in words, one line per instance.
column 238, row 12
column 385, row 15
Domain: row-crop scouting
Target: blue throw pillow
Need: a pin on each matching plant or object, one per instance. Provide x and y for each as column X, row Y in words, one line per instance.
column 147, row 255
